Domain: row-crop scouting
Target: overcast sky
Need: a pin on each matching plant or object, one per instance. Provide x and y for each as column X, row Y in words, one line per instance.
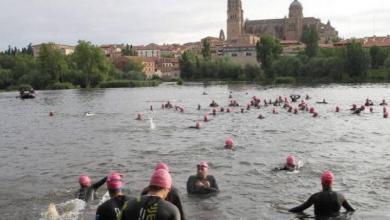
column 167, row 21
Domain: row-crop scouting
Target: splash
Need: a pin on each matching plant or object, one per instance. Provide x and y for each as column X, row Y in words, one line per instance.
column 64, row 211
column 152, row 124
column 105, row 197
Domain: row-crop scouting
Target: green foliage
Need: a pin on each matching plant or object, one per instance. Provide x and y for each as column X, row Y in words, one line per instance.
column 267, row 50
column 206, row 50
column 386, row 64
column 128, row 83
column 61, row 86
column 179, row 82
column 357, row 61
column 254, row 73
column 287, row 66
column 52, row 62
column 378, row 75
column 129, row 51
column 90, row 60
column 378, row 56
column 310, row 38
column 285, row 80
column 5, row 78
column 133, row 65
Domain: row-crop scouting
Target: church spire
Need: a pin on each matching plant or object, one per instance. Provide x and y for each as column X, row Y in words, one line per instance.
column 235, row 19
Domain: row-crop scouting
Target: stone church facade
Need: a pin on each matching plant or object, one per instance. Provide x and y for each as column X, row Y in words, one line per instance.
column 290, row 28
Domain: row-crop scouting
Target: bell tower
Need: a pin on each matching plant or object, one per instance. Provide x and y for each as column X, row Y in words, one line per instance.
column 235, row 20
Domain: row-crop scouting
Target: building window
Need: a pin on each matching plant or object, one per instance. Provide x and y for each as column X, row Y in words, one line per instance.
column 234, row 54
column 248, row 54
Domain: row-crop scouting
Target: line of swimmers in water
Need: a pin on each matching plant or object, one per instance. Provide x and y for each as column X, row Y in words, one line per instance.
column 160, row 200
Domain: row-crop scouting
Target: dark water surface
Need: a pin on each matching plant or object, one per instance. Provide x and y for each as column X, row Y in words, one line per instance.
column 41, row 157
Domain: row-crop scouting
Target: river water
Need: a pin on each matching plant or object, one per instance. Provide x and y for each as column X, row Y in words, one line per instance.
column 41, row 157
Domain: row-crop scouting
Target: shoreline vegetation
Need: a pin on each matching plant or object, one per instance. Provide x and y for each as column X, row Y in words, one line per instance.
column 88, row 67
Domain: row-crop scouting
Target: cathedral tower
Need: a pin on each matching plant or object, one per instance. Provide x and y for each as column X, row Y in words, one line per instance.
column 235, row 20
column 294, row 23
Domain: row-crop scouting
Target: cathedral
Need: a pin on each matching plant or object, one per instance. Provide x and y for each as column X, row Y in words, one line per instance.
column 289, row 28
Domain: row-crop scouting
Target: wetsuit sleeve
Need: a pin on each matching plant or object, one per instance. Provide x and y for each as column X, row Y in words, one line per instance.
column 347, row 206
column 191, row 185
column 98, row 184
column 304, row 206
column 177, row 202
column 213, row 184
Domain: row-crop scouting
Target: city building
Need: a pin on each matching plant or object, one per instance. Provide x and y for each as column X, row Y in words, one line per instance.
column 65, row 49
column 367, row 42
column 287, row 28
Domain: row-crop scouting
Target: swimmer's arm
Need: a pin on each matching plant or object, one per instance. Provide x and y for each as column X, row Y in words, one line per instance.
column 213, row 184
column 347, row 206
column 98, row 184
column 191, row 185
column 304, row 206
column 177, row 202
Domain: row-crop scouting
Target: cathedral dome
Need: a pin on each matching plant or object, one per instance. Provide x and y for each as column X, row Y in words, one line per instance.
column 296, row 4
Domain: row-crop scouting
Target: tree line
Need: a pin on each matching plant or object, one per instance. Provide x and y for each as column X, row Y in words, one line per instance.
column 87, row 67
column 352, row 63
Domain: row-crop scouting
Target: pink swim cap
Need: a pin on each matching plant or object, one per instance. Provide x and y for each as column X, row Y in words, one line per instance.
column 290, row 160
column 162, row 166
column 229, row 142
column 161, row 178
column 114, row 181
column 203, row 164
column 327, row 178
column 84, row 180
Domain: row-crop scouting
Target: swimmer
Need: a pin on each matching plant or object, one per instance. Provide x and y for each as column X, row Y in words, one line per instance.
column 315, row 115
column 385, row 115
column 197, row 126
column 222, row 109
column 326, row 203
column 312, row 110
column 295, row 111
column 290, row 109
column 173, row 195
column 153, row 205
column 214, row 112
column 228, row 110
column 248, row 107
column 383, row 103
column 87, row 191
column 229, row 144
column 294, row 98
column 274, row 111
column 162, row 106
column 323, row 102
column 205, row 93
column 151, row 107
column 290, row 165
column 260, row 116
column 202, row 183
column 139, row 117
column 242, row 110
column 51, row 114
column 213, row 104
column 337, row 109
column 307, row 97
column 359, row 110
column 199, row 107
column 368, row 102
column 371, row 109
column 109, row 209
column 205, row 118
column 354, row 107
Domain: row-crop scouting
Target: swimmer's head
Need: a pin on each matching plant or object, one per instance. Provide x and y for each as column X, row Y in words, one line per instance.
column 84, row 181
column 290, row 161
column 229, row 143
column 205, row 118
column 327, row 179
column 161, row 181
column 202, row 169
column 197, row 125
column 162, row 166
column 114, row 182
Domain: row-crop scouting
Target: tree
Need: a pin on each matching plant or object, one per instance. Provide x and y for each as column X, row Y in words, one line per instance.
column 89, row 60
column 310, row 38
column 357, row 61
column 133, row 65
column 267, row 50
column 206, row 50
column 378, row 56
column 52, row 62
column 129, row 51
column 188, row 64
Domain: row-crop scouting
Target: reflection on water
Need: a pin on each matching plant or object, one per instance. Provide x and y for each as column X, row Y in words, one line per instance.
column 41, row 157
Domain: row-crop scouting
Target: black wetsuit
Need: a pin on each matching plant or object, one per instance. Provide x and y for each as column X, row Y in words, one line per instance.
column 88, row 193
column 173, row 197
column 148, row 208
column 111, row 209
column 326, row 204
column 193, row 189
column 286, row 168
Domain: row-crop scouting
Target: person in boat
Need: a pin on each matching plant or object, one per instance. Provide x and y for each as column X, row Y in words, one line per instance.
column 229, row 144
column 110, row 209
column 202, row 183
column 213, row 104
column 197, row 126
column 327, row 203
column 152, row 205
column 290, row 165
column 383, row 103
column 87, row 191
column 295, row 98
column 173, row 195
column 323, row 102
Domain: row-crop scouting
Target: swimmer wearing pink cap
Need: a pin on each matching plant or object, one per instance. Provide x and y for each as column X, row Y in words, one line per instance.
column 327, row 203
column 108, row 210
column 87, row 191
column 173, row 196
column 229, row 144
column 290, row 165
column 202, row 183
column 153, row 204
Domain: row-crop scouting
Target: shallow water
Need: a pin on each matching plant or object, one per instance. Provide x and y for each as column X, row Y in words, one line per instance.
column 41, row 156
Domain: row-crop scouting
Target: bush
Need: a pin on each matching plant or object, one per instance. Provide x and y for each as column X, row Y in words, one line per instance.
column 285, row 80
column 378, row 75
column 61, row 86
column 179, row 82
column 128, row 83
column 24, row 87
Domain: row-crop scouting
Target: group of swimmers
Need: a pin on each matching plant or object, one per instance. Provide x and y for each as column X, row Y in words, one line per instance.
column 160, row 200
